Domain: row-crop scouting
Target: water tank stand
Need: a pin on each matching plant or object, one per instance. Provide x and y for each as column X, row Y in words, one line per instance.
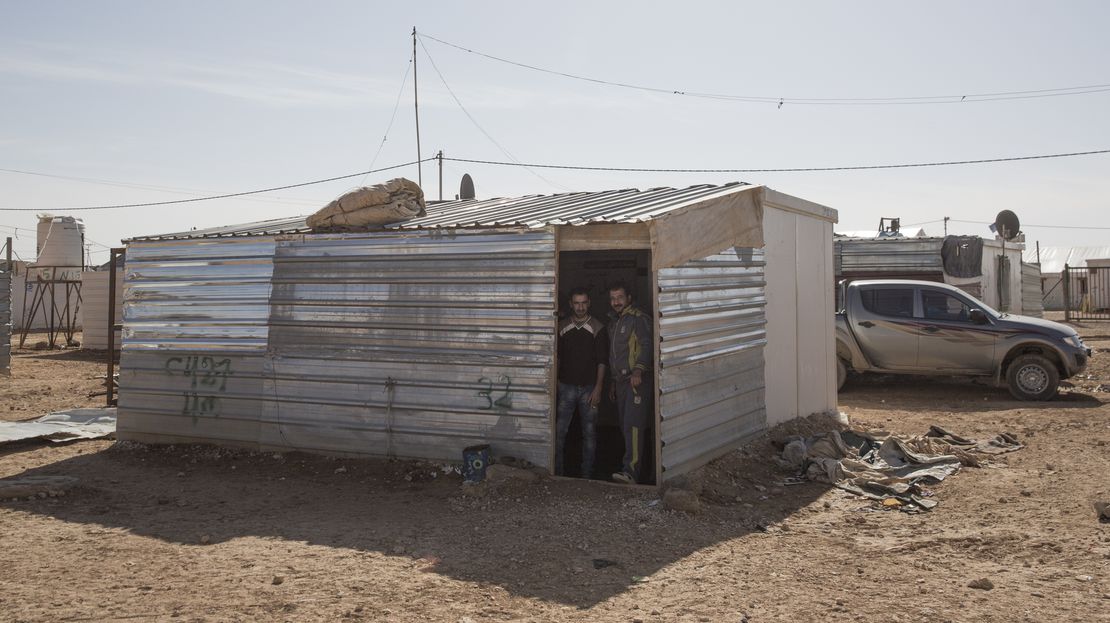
column 60, row 315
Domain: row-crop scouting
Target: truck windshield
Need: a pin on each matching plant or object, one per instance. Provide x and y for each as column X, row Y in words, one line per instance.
column 976, row 303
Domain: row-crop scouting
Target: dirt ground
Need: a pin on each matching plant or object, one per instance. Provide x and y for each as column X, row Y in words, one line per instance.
column 205, row 534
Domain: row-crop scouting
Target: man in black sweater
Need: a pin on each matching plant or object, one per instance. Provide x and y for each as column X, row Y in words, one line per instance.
column 583, row 352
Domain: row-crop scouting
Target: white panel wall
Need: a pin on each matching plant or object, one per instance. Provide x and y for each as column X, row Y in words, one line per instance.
column 991, row 250
column 816, row 324
column 801, row 343
column 780, row 355
column 94, row 308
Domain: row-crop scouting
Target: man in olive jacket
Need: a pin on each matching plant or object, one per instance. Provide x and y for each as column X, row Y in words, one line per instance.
column 630, row 354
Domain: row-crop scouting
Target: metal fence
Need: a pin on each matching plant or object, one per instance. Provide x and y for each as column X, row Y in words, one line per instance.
column 1086, row 293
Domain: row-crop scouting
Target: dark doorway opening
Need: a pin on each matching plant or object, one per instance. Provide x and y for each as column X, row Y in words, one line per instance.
column 596, row 271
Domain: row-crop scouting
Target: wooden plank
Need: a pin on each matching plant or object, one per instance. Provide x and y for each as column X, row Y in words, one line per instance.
column 603, row 237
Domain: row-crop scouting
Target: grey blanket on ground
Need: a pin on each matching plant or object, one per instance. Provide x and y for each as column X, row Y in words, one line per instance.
column 371, row 206
column 881, row 466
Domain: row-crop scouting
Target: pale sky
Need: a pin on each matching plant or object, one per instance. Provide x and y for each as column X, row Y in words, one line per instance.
column 176, row 100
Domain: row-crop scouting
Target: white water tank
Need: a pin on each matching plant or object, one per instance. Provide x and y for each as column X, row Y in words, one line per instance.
column 61, row 241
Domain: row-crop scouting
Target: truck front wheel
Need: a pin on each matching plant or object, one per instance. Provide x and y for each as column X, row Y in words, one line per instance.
column 841, row 373
column 1032, row 377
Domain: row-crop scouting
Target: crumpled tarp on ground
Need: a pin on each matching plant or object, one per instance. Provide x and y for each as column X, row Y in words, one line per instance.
column 63, row 426
column 881, row 466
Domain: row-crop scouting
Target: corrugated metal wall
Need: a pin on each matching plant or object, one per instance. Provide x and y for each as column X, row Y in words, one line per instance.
column 389, row 344
column 195, row 335
column 413, row 344
column 901, row 255
column 1031, row 297
column 712, row 331
column 5, row 323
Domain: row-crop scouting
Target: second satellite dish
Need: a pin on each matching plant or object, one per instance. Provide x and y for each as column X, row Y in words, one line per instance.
column 1007, row 225
column 466, row 187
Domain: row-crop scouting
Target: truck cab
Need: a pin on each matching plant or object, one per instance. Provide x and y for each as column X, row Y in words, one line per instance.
column 921, row 327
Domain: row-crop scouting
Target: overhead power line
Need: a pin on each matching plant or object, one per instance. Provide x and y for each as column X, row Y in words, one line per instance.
column 587, row 168
column 780, row 101
column 779, row 170
column 166, row 189
column 474, row 121
column 392, row 117
column 210, row 198
column 1024, row 225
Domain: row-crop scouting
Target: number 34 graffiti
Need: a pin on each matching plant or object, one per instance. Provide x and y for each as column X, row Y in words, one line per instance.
column 504, row 401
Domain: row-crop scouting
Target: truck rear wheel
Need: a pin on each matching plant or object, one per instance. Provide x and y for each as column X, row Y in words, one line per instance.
column 1032, row 377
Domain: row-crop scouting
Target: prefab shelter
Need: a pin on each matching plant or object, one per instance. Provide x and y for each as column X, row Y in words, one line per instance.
column 1098, row 277
column 1052, row 261
column 988, row 269
column 431, row 335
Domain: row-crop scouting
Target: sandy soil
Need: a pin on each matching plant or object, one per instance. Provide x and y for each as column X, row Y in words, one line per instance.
column 205, row 534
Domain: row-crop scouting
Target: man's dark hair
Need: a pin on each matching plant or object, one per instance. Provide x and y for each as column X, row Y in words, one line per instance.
column 621, row 285
column 578, row 292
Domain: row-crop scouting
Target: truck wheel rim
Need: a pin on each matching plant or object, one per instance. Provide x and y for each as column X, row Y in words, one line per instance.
column 1032, row 378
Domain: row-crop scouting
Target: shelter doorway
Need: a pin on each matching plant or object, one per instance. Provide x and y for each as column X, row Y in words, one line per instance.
column 595, row 271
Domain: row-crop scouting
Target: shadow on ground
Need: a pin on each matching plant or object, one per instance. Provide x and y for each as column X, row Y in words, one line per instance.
column 569, row 541
column 67, row 354
column 897, row 391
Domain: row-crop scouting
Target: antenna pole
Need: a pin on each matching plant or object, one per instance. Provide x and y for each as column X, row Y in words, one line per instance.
column 439, row 157
column 416, row 109
column 946, row 226
column 1038, row 253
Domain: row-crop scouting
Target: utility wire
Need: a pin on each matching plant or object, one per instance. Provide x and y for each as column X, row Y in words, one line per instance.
column 479, row 126
column 165, row 189
column 597, row 168
column 780, row 170
column 392, row 117
column 1024, row 225
column 939, row 220
column 780, row 101
column 225, row 196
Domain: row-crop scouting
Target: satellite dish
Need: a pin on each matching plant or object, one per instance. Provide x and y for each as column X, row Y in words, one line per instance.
column 1007, row 225
column 466, row 188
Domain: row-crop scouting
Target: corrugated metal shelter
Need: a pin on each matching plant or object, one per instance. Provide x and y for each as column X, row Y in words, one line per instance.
column 437, row 333
column 5, row 322
column 999, row 285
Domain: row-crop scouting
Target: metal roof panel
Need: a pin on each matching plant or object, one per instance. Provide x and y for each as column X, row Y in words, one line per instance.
column 532, row 211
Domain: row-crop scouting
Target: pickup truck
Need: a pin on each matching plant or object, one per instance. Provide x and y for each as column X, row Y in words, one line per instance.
column 921, row 327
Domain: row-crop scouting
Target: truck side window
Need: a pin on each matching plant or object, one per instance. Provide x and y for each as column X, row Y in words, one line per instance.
column 897, row 302
column 943, row 306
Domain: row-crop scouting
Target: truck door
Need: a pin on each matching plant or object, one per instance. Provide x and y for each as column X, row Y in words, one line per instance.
column 950, row 341
column 882, row 319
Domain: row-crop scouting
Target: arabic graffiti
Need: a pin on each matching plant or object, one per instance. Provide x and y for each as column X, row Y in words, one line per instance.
column 207, row 376
column 505, row 401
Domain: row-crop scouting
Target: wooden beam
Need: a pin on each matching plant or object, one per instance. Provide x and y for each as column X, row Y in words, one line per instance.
column 603, row 237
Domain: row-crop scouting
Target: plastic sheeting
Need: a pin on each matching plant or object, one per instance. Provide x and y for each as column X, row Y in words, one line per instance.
column 1052, row 259
column 63, row 426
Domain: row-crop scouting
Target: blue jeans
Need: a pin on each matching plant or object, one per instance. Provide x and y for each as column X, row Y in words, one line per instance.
column 570, row 398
